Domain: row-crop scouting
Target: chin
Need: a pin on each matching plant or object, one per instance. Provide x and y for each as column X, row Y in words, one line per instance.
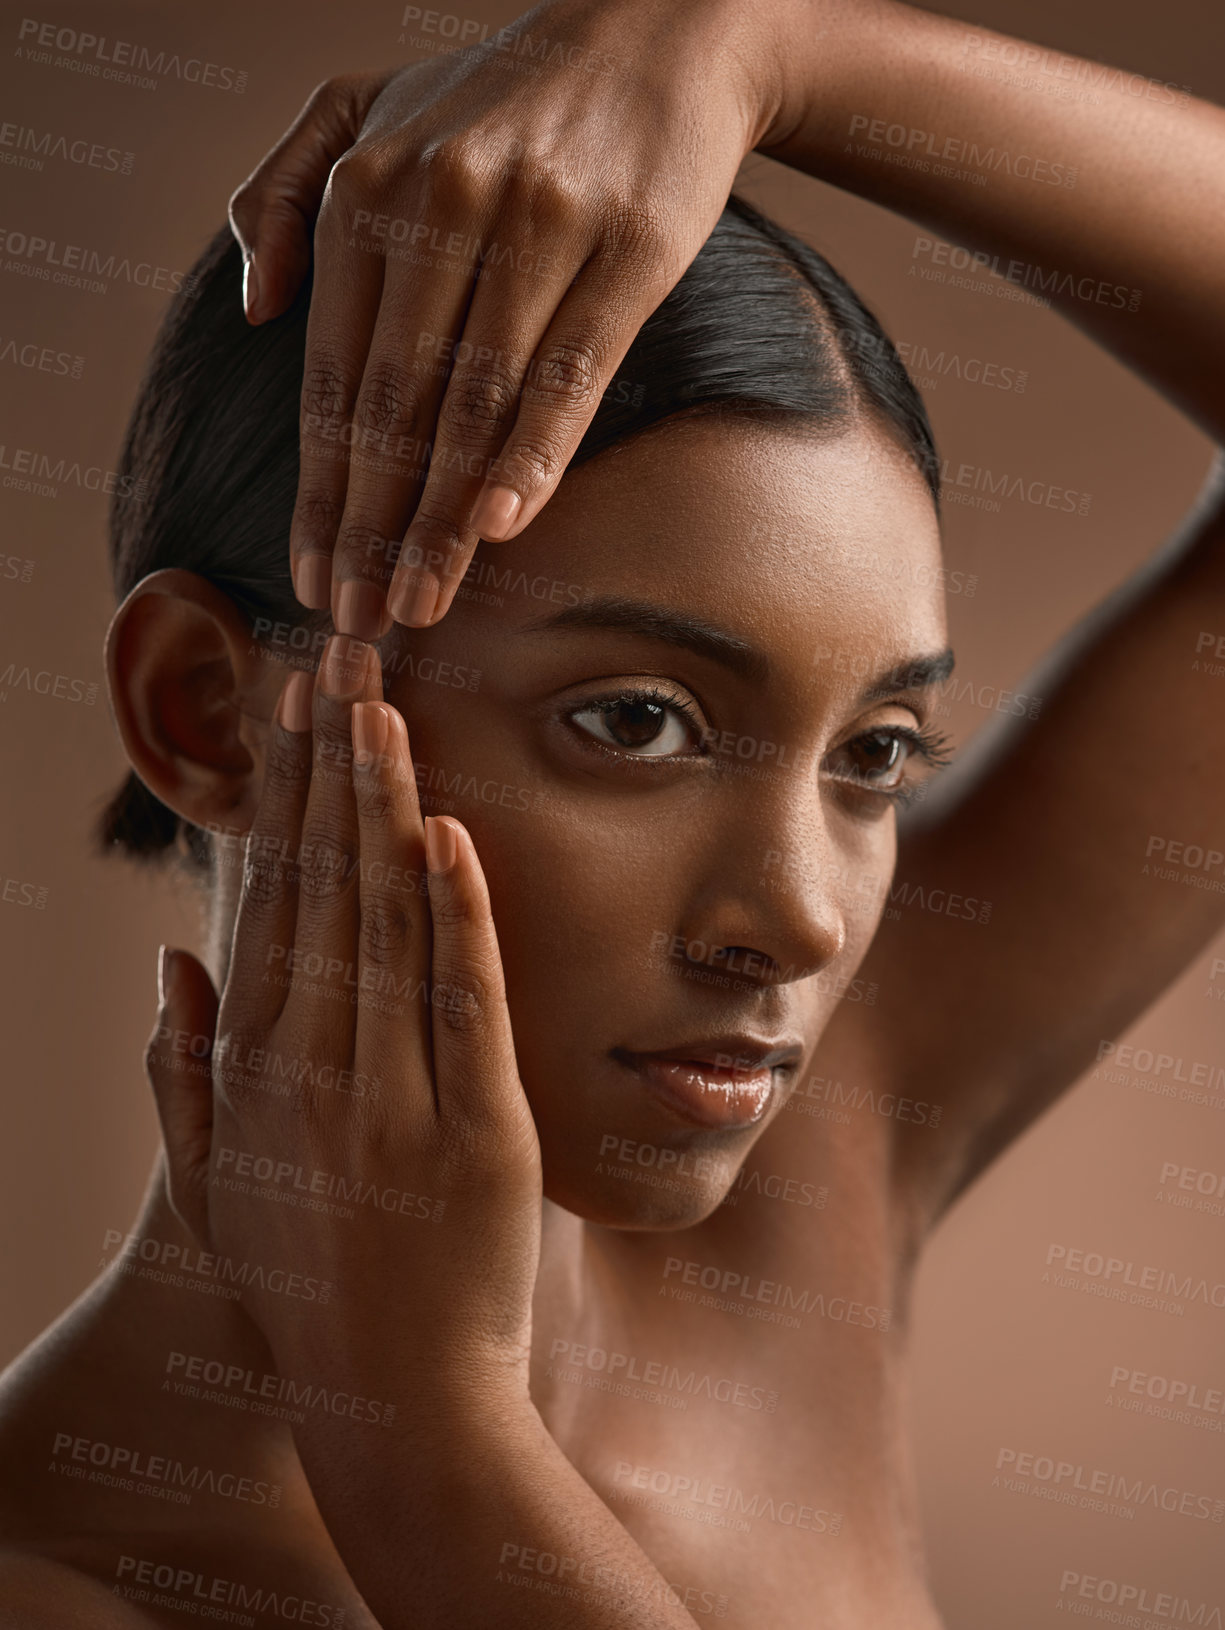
column 639, row 1200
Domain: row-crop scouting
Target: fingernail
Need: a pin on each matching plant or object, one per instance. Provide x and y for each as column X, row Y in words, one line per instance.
column 250, row 289
column 441, row 843
column 342, row 673
column 312, row 581
column 161, row 975
column 413, row 602
column 361, row 609
column 371, row 727
column 495, row 512
column 294, row 709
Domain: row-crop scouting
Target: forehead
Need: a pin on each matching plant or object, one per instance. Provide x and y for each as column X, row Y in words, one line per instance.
column 783, row 535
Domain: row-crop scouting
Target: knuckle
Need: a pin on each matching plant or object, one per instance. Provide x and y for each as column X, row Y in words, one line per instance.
column 634, row 228
column 325, row 869
column 327, row 391
column 479, row 404
column 355, row 175
column 316, row 516
column 532, row 462
column 378, row 797
column 461, row 999
column 286, row 765
column 389, row 401
column 439, row 532
column 456, row 168
column 565, row 374
column 244, row 208
column 386, row 930
column 555, row 196
column 265, row 878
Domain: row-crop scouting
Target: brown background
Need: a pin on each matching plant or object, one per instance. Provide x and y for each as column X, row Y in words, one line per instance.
column 1002, row 1360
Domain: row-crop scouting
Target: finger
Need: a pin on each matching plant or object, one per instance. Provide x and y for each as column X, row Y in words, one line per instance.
column 397, row 404
column 320, row 1011
column 393, row 1036
column 344, row 308
column 510, row 313
column 177, row 1061
column 273, row 213
column 256, row 984
column 474, row 1056
column 571, row 370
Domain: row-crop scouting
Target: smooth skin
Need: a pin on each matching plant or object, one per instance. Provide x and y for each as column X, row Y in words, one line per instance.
column 1049, row 821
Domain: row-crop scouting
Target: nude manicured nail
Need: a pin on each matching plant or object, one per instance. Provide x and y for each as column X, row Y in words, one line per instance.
column 371, row 727
column 441, row 844
column 495, row 512
column 312, row 581
column 294, row 711
column 342, row 673
column 414, row 602
column 361, row 610
column 250, row 290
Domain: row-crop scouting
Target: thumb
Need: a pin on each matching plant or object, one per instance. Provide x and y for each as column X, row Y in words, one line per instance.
column 475, row 1071
column 273, row 213
column 178, row 1062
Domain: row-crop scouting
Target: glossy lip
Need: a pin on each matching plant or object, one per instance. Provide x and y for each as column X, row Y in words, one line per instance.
column 732, row 1083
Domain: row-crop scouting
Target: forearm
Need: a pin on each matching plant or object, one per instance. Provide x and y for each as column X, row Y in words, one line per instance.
column 479, row 1525
column 892, row 103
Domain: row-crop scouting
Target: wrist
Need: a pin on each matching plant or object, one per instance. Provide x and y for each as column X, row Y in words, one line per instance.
column 825, row 56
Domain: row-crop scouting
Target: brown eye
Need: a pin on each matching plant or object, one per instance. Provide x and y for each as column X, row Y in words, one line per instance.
column 640, row 725
column 877, row 759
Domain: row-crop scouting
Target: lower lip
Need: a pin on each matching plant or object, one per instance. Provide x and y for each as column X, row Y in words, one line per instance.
column 723, row 1100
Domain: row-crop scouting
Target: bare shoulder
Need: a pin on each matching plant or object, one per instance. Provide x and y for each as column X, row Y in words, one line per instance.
column 40, row 1593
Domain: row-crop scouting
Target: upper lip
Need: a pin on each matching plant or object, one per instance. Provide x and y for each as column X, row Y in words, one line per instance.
column 742, row 1051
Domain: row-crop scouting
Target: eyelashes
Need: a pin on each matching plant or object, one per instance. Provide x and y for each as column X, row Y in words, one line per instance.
column 657, row 722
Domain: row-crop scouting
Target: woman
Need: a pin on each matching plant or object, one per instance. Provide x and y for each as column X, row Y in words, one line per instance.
column 436, row 1397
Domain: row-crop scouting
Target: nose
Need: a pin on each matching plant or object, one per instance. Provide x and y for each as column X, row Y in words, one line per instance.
column 768, row 903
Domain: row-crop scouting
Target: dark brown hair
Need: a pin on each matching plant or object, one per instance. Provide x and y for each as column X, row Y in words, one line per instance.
column 760, row 323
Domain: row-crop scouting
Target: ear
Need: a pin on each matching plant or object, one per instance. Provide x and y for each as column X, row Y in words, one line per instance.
column 192, row 696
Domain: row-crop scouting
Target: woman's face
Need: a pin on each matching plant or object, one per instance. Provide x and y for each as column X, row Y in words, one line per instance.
column 675, row 714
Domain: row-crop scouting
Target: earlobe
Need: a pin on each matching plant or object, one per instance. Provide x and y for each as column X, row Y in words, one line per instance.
column 191, row 697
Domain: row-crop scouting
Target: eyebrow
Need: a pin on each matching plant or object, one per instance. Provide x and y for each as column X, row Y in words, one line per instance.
column 615, row 613
column 917, row 674
column 654, row 622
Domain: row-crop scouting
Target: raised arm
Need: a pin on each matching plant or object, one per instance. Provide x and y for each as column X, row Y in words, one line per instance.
column 1110, row 206
column 1095, row 833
